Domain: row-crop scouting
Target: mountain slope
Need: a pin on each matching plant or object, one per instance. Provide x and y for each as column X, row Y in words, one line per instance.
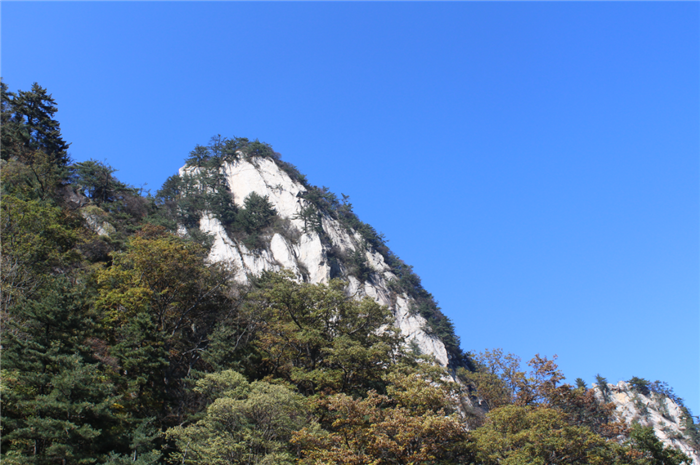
column 314, row 253
column 641, row 403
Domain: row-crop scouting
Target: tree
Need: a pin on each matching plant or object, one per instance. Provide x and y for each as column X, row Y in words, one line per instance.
column 198, row 157
column 540, row 435
column 319, row 339
column 257, row 213
column 95, row 180
column 652, row 450
column 496, row 378
column 498, row 382
column 37, row 240
column 58, row 402
column 161, row 300
column 640, row 385
column 413, row 424
column 311, row 218
column 582, row 408
column 121, row 202
column 603, row 387
column 539, row 387
column 33, row 127
column 32, row 144
column 8, row 128
column 143, row 359
column 245, row 423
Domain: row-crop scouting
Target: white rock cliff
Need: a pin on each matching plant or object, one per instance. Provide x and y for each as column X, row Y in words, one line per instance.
column 305, row 253
column 653, row 409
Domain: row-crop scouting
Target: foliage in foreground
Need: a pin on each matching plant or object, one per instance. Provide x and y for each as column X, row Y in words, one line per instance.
column 130, row 348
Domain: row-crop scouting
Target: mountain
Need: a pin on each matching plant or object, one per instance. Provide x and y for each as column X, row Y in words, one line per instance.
column 318, row 238
column 655, row 405
column 205, row 324
column 314, row 254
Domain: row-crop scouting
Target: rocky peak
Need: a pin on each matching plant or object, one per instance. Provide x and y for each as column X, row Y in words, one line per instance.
column 671, row 421
column 313, row 254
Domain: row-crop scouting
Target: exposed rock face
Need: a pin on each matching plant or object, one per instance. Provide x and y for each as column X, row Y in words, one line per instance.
column 307, row 254
column 94, row 217
column 652, row 409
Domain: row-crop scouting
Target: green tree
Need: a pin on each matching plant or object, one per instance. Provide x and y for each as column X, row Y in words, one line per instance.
column 311, row 218
column 95, row 179
column 602, row 385
column 161, row 300
column 8, row 128
column 143, row 359
column 37, row 239
column 245, row 423
column 35, row 153
column 198, row 157
column 319, row 339
column 122, row 204
column 652, row 450
column 183, row 200
column 33, row 127
column 640, row 385
column 257, row 213
column 539, row 435
column 59, row 405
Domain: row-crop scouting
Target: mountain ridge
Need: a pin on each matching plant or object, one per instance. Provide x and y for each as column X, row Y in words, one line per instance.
column 310, row 258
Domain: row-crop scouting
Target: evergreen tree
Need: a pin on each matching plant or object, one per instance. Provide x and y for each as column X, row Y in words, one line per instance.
column 653, row 451
column 33, row 124
column 57, row 400
column 246, row 423
column 319, row 339
column 32, row 142
column 7, row 127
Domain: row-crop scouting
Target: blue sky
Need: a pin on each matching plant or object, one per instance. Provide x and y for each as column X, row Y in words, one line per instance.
column 537, row 163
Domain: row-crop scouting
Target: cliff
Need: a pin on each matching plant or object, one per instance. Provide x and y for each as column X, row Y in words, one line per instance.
column 671, row 421
column 313, row 254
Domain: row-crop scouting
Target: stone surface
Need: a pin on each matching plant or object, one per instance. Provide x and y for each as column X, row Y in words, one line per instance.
column 94, row 217
column 656, row 410
column 307, row 256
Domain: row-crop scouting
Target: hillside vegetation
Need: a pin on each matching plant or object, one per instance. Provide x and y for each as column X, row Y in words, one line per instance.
column 122, row 344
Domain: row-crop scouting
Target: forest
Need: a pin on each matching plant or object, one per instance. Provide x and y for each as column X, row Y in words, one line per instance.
column 122, row 344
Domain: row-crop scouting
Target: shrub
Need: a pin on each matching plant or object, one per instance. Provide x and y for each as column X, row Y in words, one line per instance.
column 640, row 385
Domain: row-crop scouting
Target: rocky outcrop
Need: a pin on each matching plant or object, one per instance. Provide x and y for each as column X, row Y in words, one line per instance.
column 96, row 221
column 666, row 416
column 306, row 252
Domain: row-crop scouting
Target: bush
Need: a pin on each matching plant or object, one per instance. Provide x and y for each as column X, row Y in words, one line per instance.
column 257, row 213
column 640, row 385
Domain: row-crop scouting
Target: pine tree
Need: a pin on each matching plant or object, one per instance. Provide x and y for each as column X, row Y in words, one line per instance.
column 7, row 127
column 32, row 144
column 36, row 129
column 58, row 405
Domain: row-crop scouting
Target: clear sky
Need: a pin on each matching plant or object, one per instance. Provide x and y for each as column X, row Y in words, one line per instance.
column 537, row 163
